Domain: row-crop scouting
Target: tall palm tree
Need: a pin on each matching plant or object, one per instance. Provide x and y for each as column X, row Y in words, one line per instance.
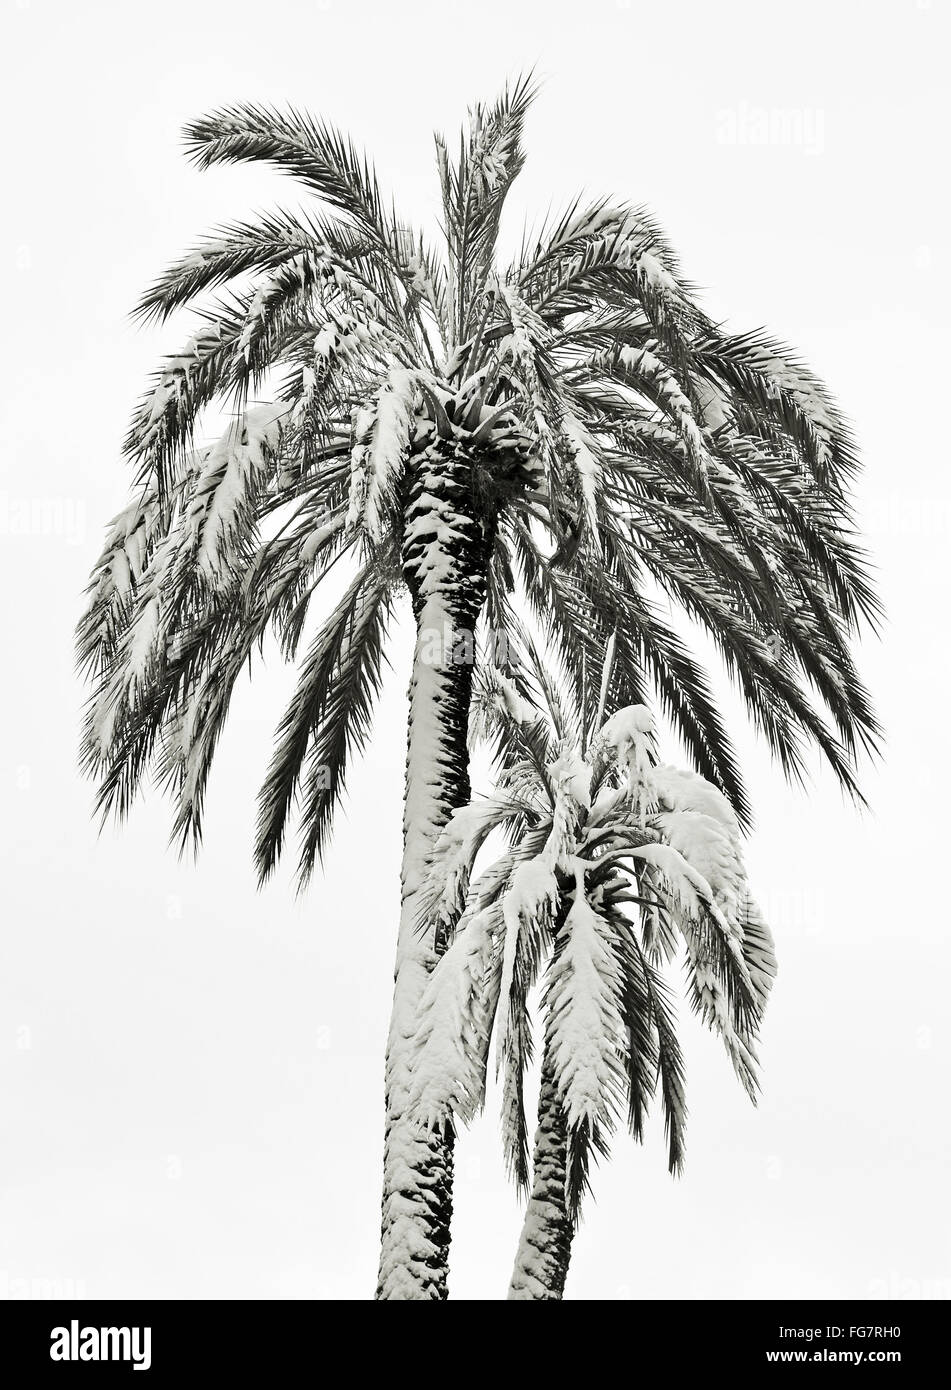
column 597, row 827
column 570, row 433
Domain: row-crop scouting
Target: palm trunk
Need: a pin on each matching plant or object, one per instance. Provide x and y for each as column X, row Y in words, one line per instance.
column 544, row 1250
column 445, row 559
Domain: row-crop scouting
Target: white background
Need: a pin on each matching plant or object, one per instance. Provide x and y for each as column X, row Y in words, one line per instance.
column 192, row 1071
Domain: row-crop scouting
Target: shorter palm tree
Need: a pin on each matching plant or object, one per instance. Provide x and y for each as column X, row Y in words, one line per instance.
column 613, row 862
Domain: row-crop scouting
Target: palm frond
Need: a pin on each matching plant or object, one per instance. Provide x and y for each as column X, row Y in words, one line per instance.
column 328, row 718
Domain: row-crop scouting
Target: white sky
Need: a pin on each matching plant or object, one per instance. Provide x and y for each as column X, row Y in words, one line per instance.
column 191, row 1071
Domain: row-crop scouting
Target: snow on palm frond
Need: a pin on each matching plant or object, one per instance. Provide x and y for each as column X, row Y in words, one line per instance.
column 527, row 909
column 697, row 820
column 721, row 987
column 572, row 772
column 524, row 344
column 684, row 887
column 119, row 569
column 516, row 1058
column 455, row 1013
column 585, row 1031
column 139, row 649
column 220, row 518
column 328, row 718
column 493, row 694
column 387, row 446
column 629, row 734
column 527, row 899
column 312, row 151
column 172, row 386
column 703, row 844
column 449, row 1059
column 588, row 248
column 362, row 429
column 263, row 246
column 454, row 854
column 645, row 371
column 125, row 552
column 679, row 789
column 585, row 450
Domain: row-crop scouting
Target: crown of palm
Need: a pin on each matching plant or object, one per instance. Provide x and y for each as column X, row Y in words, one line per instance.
column 595, row 828
column 620, row 445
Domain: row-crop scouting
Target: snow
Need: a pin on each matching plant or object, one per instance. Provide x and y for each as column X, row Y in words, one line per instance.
column 160, row 399
column 433, row 519
column 588, row 223
column 715, row 409
column 414, row 1163
column 573, row 772
column 607, row 804
column 361, row 427
column 141, row 640
column 654, row 272
column 126, row 545
column 329, row 342
column 451, row 1042
column 121, row 571
column 419, row 282
column 229, row 469
column 105, row 712
column 704, row 845
column 515, row 707
column 252, row 323
column 677, row 789
column 586, row 1034
column 642, row 362
column 695, row 868
column 715, row 1010
column 144, row 634
column 689, row 891
column 589, row 469
column 455, row 850
column 630, row 732
column 527, row 331
column 533, row 891
column 388, row 445
column 698, row 820
column 758, row 947
column 318, row 539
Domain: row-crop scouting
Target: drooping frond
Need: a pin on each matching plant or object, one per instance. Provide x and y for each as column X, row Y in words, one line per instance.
column 326, row 721
column 456, row 1014
column 584, row 1017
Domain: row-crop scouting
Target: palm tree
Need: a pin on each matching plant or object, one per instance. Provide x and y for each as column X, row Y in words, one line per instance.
column 596, row 827
column 571, row 434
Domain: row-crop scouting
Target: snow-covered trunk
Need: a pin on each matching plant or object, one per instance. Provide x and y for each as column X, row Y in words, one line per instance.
column 541, row 1263
column 445, row 559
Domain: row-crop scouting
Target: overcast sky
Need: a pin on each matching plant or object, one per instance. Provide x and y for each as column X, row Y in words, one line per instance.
column 191, row 1070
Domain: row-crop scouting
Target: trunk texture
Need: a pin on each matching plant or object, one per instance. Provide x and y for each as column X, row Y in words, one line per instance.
column 445, row 559
column 544, row 1250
